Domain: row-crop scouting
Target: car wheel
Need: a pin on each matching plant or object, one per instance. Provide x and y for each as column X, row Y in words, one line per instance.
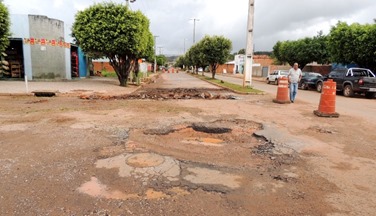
column 267, row 81
column 370, row 95
column 348, row 91
column 304, row 86
column 276, row 81
column 319, row 87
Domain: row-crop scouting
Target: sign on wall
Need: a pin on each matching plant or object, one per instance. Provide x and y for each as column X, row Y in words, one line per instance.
column 46, row 42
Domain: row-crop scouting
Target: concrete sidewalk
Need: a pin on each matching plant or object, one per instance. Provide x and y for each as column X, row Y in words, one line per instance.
column 101, row 85
column 241, row 76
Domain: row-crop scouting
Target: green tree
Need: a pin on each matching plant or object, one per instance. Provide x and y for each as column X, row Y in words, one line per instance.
column 215, row 51
column 4, row 27
column 161, row 60
column 112, row 30
column 241, row 52
column 277, row 53
column 182, row 61
column 353, row 44
column 302, row 51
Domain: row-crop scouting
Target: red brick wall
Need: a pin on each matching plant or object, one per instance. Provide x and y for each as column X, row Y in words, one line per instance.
column 321, row 69
column 229, row 68
column 100, row 66
column 263, row 60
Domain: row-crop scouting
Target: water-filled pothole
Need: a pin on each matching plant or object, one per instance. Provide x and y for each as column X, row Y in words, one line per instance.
column 214, row 134
column 44, row 94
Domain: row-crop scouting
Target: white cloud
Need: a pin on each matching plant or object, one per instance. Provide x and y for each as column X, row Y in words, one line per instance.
column 274, row 20
column 58, row 3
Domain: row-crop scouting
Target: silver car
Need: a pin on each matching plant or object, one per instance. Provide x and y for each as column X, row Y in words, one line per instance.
column 275, row 75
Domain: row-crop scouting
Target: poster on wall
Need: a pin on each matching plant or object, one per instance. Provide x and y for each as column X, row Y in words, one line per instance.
column 45, row 42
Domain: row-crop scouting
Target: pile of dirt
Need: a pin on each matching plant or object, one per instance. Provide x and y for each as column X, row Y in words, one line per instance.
column 167, row 94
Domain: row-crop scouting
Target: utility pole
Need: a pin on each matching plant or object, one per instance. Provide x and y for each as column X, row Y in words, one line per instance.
column 184, row 46
column 155, row 53
column 194, row 29
column 249, row 51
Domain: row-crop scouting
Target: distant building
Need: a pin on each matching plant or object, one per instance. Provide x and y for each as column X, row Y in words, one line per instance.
column 38, row 50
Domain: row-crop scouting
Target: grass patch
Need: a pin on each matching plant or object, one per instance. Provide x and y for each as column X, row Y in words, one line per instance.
column 108, row 74
column 232, row 86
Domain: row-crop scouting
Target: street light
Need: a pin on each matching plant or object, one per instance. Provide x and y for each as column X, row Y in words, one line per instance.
column 160, row 50
column 194, row 29
column 127, row 2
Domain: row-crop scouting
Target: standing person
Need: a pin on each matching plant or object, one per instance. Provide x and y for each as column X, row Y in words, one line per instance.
column 295, row 74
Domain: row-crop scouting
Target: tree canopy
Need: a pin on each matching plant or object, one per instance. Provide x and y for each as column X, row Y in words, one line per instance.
column 210, row 51
column 303, row 51
column 241, row 52
column 353, row 44
column 216, row 50
column 161, row 60
column 344, row 44
column 114, row 31
column 4, row 27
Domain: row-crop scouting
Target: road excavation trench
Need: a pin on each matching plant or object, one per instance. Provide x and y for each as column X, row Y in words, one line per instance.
column 168, row 94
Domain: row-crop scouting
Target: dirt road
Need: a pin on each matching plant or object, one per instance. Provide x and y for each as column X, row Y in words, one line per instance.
column 356, row 106
column 166, row 156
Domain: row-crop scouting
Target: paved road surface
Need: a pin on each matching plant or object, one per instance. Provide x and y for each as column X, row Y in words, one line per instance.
column 359, row 106
column 92, row 84
column 184, row 80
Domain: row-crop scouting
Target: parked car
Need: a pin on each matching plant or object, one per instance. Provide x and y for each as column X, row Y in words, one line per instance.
column 309, row 80
column 351, row 81
column 275, row 75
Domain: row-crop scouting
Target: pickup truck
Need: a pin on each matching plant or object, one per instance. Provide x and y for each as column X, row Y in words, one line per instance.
column 351, row 81
column 276, row 75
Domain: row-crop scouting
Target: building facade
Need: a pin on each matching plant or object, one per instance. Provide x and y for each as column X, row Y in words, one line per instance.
column 39, row 51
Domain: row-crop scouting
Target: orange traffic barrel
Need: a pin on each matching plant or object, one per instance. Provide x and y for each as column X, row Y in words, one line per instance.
column 283, row 91
column 327, row 106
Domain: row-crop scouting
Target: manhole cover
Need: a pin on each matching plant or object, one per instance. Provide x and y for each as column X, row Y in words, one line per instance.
column 145, row 160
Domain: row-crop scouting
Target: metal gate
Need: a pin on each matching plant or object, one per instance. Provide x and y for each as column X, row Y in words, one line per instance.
column 265, row 71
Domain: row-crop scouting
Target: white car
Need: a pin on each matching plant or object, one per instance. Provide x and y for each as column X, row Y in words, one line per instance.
column 275, row 75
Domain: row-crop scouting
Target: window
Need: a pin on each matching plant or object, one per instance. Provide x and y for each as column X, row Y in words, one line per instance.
column 359, row 73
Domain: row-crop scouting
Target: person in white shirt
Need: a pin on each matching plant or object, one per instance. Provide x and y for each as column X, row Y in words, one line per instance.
column 295, row 74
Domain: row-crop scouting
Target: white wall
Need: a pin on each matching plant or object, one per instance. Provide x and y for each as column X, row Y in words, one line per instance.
column 20, row 29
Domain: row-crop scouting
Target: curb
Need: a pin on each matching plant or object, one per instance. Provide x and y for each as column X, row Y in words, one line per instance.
column 16, row 94
column 229, row 89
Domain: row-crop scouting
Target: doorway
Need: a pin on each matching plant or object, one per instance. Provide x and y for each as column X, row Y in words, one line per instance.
column 74, row 62
column 12, row 60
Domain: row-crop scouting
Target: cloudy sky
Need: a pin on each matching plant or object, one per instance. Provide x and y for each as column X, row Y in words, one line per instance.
column 171, row 19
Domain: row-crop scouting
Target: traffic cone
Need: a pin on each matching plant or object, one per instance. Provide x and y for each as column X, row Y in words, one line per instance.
column 327, row 106
column 283, row 91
